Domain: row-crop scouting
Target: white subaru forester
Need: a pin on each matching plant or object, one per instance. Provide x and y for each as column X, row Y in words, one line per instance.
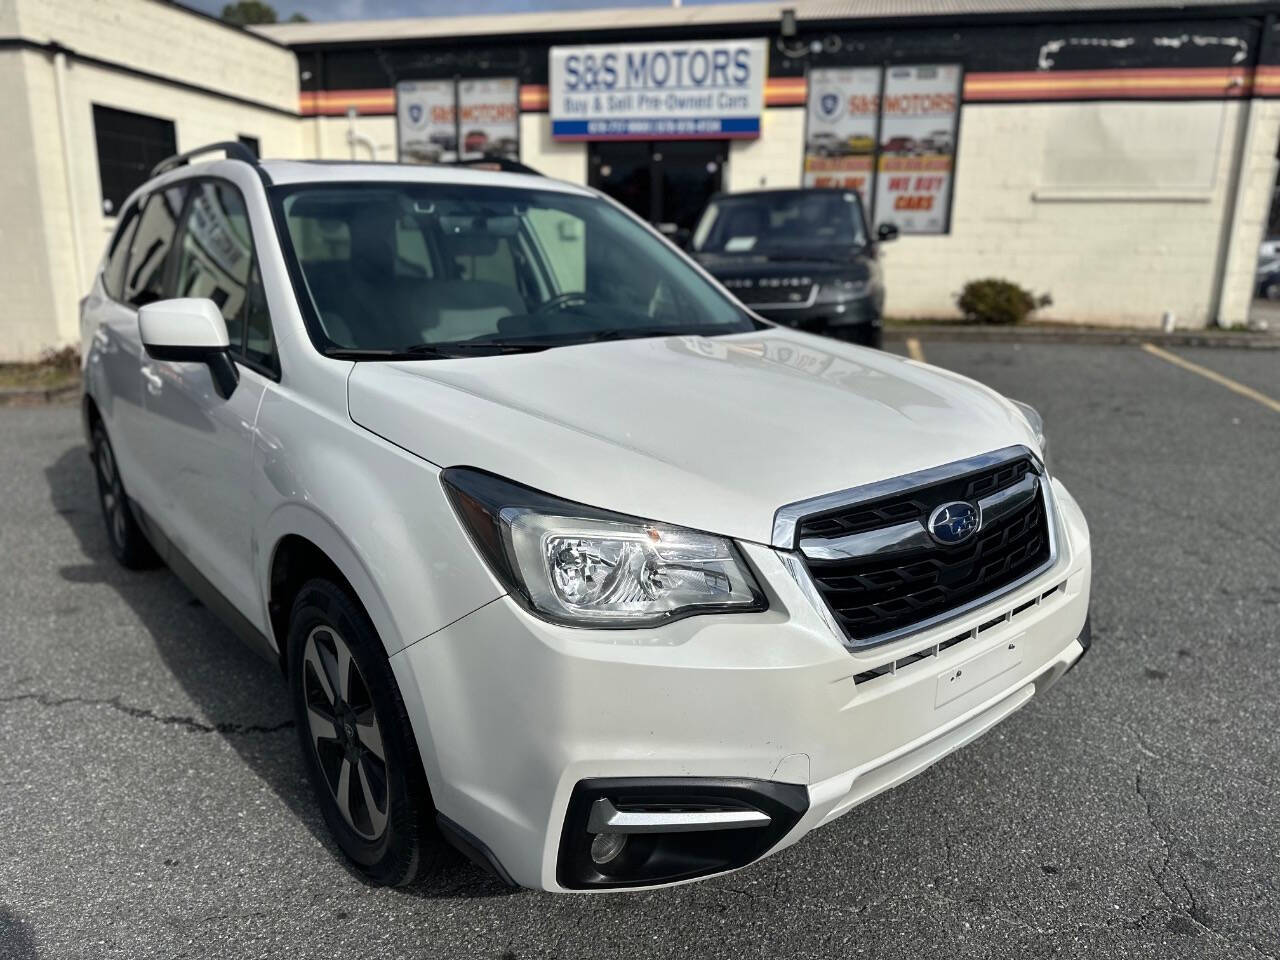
column 567, row 557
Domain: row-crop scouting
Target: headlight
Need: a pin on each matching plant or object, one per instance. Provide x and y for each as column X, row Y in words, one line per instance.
column 581, row 566
column 842, row 291
column 1036, row 423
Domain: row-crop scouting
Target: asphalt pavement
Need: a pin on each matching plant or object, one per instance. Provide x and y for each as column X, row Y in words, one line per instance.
column 153, row 802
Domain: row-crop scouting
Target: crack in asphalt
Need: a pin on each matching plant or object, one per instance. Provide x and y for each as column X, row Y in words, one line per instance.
column 116, row 703
column 1193, row 912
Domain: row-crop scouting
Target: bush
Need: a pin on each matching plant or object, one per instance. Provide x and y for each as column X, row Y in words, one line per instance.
column 998, row 301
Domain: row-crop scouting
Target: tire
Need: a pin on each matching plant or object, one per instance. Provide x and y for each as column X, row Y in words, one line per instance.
column 393, row 839
column 128, row 543
column 1272, row 290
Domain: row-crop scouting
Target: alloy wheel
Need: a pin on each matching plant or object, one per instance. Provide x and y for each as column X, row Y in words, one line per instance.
column 345, row 733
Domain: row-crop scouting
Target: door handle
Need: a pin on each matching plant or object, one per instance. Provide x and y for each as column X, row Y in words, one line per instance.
column 155, row 383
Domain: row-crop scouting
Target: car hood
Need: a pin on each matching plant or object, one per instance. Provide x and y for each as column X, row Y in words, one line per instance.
column 711, row 433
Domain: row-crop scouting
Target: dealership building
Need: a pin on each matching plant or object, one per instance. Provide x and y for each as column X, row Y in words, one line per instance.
column 1119, row 155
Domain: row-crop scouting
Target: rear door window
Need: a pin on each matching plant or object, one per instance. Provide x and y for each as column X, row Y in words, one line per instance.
column 145, row 276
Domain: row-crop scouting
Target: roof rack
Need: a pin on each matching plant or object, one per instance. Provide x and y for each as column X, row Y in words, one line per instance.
column 232, row 149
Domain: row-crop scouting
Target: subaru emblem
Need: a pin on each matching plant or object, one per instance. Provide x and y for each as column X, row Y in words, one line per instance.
column 954, row 523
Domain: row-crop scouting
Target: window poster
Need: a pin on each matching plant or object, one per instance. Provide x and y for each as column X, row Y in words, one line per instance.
column 426, row 121
column 916, row 163
column 840, row 129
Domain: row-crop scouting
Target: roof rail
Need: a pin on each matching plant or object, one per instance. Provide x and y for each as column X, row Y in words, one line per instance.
column 232, row 149
column 504, row 164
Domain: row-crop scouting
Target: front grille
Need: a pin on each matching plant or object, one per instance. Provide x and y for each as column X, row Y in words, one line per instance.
column 793, row 295
column 914, row 504
column 892, row 589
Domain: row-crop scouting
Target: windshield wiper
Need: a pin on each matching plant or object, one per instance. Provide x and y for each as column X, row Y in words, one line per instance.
column 466, row 348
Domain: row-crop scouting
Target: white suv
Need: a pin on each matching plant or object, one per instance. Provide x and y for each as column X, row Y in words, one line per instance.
column 567, row 557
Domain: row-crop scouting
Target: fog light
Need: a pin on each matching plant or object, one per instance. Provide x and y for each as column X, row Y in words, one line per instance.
column 607, row 846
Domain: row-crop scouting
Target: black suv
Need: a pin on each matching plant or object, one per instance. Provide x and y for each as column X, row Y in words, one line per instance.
column 803, row 258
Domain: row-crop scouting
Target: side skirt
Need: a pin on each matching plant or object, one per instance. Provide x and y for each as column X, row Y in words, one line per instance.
column 205, row 591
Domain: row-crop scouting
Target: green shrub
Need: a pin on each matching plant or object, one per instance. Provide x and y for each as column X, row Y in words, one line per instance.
column 998, row 301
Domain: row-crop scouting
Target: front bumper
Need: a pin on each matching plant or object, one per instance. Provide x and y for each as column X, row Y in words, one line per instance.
column 857, row 321
column 512, row 713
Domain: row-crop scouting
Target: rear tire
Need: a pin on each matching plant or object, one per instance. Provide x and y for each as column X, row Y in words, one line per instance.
column 357, row 740
column 128, row 543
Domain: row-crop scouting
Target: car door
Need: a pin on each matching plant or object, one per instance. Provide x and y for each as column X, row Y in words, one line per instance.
column 208, row 439
column 133, row 276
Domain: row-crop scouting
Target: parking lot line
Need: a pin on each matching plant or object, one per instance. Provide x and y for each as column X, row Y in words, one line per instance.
column 914, row 350
column 1232, row 385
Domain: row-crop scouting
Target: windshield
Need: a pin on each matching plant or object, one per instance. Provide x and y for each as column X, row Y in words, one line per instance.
column 447, row 270
column 798, row 221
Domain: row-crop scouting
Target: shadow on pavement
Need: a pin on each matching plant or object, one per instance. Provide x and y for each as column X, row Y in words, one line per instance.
column 238, row 694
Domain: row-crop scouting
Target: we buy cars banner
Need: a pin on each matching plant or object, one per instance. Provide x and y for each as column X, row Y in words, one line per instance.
column 840, row 129
column 920, row 108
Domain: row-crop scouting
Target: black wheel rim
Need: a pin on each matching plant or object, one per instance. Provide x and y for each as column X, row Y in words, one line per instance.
column 110, row 492
column 345, row 734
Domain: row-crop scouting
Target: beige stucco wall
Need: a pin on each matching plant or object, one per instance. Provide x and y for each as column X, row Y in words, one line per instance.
column 65, row 228
column 165, row 39
column 25, row 327
column 1257, row 180
column 564, row 161
column 1137, row 232
column 772, row 160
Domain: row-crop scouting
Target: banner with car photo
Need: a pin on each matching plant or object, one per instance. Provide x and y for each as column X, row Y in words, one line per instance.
column 437, row 120
column 916, row 162
column 490, row 117
column 840, row 129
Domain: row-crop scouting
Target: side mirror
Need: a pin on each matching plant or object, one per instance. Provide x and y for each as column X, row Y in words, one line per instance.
column 190, row 330
column 886, row 232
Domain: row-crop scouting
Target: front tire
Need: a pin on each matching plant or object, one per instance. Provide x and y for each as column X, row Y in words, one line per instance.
column 128, row 543
column 356, row 738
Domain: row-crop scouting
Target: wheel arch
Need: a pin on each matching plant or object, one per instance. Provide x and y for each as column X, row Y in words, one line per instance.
column 304, row 545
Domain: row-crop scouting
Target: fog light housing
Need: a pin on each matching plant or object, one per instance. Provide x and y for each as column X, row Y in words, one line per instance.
column 637, row 832
column 607, row 847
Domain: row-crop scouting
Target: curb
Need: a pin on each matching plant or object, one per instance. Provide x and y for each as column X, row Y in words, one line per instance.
column 1127, row 337
column 28, row 397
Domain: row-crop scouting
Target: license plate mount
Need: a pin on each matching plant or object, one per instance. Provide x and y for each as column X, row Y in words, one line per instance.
column 976, row 671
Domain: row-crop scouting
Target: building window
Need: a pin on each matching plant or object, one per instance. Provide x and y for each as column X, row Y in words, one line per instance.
column 129, row 145
column 251, row 143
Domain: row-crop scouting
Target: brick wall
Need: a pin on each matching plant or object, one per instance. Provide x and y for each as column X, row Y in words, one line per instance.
column 1122, row 248
column 163, row 38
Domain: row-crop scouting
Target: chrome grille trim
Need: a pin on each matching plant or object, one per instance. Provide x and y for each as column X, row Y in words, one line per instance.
column 903, row 536
column 787, row 521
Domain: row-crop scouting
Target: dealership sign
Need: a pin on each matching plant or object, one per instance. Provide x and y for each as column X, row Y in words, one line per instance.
column 664, row 91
